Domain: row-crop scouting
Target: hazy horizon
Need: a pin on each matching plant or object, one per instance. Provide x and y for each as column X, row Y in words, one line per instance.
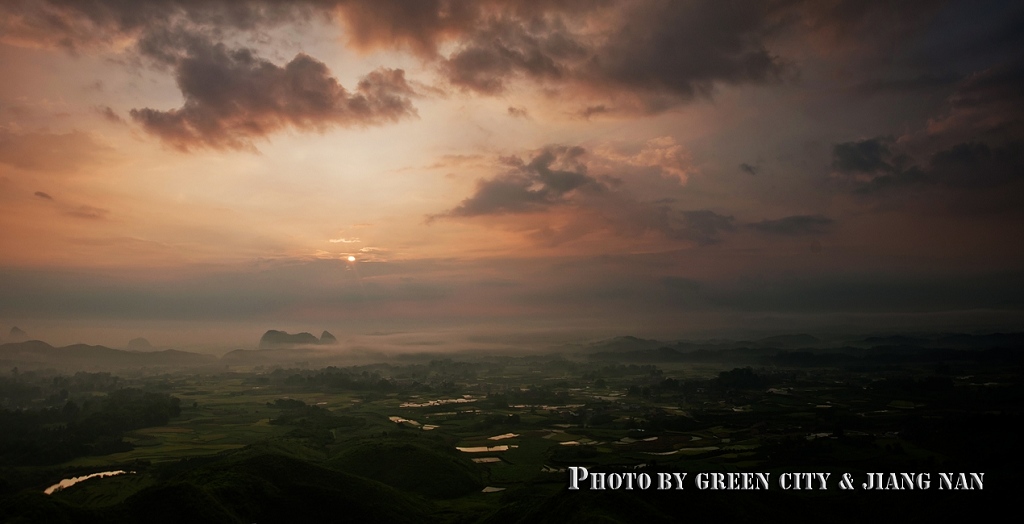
column 220, row 338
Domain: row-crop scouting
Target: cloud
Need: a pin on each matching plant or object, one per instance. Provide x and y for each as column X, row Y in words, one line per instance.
column 661, row 164
column 907, row 85
column 684, row 48
column 970, row 157
column 507, row 48
column 423, row 26
column 590, row 111
column 956, row 171
column 550, row 178
column 44, row 196
column 88, row 212
column 518, row 112
column 418, row 26
column 657, row 54
column 794, row 225
column 451, row 161
column 987, row 105
column 553, row 197
column 642, row 56
column 971, row 165
column 641, row 48
column 109, row 114
column 665, row 155
column 374, row 254
column 871, row 155
column 704, row 226
column 748, row 169
column 618, row 217
column 78, row 26
column 232, row 96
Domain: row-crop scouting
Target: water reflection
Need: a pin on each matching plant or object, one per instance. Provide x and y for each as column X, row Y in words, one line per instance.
column 67, row 483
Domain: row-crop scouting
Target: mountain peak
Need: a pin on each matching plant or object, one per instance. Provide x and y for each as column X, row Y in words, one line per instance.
column 139, row 344
column 17, row 335
column 327, row 339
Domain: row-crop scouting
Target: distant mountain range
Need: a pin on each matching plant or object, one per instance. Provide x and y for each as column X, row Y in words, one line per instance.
column 805, row 341
column 304, row 349
column 802, row 349
column 276, row 347
column 40, row 355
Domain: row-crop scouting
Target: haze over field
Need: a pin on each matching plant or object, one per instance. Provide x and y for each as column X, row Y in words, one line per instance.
column 196, row 173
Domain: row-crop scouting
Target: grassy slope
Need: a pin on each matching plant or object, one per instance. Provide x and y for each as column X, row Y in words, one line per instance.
column 423, row 467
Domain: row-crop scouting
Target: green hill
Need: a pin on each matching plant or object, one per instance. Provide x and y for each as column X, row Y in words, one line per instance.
column 428, row 468
column 270, row 488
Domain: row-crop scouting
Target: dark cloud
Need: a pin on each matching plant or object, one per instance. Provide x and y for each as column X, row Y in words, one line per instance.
column 506, row 49
column 703, row 226
column 972, row 165
column 996, row 85
column 648, row 47
column 987, row 105
column 557, row 181
column 976, row 164
column 419, row 26
column 960, row 36
column 871, row 155
column 44, row 196
column 685, row 48
column 646, row 56
column 107, row 113
column 667, row 48
column 550, row 178
column 748, row 169
column 973, row 151
column 908, row 85
column 794, row 225
column 233, row 96
column 663, row 52
column 74, row 25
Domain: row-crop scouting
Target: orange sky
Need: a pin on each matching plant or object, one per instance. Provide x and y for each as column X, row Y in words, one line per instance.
column 645, row 166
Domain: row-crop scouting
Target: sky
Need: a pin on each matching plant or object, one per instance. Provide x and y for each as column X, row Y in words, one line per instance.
column 199, row 171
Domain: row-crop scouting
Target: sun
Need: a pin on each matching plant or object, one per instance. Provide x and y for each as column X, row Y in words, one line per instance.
column 351, row 258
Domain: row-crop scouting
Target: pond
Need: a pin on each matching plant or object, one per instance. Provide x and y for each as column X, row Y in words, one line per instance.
column 484, row 449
